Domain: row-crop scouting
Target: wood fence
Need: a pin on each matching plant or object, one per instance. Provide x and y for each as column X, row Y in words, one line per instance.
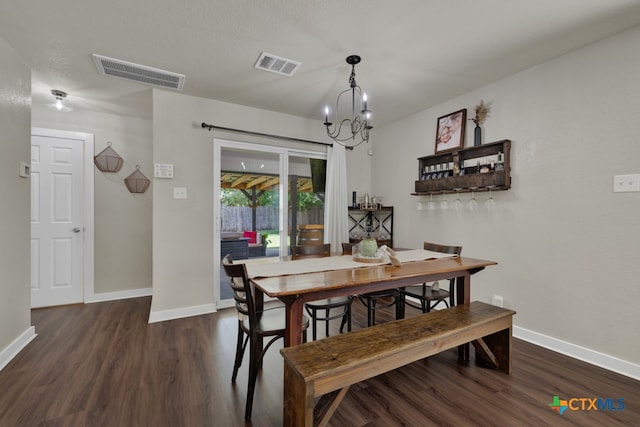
column 238, row 218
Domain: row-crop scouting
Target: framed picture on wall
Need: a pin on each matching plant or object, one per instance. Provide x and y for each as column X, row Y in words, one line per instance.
column 450, row 131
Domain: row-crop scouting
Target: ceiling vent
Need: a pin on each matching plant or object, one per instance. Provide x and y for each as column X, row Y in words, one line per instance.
column 277, row 64
column 139, row 73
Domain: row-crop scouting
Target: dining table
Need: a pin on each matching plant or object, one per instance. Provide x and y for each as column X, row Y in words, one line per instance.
column 295, row 282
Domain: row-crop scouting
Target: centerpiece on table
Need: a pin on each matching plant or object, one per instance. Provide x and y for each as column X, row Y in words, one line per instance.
column 367, row 251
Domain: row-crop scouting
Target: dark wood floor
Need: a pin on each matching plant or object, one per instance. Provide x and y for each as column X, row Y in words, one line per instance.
column 104, row 365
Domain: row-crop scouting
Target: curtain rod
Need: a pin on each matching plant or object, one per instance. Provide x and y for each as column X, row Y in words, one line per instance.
column 268, row 135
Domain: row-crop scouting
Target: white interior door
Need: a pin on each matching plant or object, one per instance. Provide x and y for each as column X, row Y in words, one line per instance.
column 56, row 220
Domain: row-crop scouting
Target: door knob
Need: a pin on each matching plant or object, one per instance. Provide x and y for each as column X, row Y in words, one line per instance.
column 77, row 229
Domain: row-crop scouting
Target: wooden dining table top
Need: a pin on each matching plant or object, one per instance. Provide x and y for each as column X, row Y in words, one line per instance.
column 366, row 277
column 297, row 289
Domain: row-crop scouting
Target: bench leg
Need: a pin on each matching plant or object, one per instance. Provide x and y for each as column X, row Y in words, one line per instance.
column 495, row 350
column 298, row 400
column 299, row 407
column 327, row 405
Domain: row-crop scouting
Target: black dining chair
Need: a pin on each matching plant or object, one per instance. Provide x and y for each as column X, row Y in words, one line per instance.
column 380, row 299
column 427, row 297
column 253, row 326
column 314, row 308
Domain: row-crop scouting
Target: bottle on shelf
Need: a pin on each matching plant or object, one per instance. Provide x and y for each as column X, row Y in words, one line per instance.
column 445, row 171
column 500, row 162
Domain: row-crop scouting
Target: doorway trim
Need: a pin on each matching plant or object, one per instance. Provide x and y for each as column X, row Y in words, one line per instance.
column 88, row 241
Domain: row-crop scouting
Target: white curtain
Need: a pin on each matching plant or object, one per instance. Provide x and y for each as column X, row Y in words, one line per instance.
column 336, row 202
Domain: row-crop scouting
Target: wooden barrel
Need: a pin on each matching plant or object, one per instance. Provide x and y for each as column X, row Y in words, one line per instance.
column 310, row 234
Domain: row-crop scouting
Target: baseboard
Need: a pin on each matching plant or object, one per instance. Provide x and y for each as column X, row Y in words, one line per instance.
column 179, row 313
column 593, row 357
column 112, row 296
column 16, row 346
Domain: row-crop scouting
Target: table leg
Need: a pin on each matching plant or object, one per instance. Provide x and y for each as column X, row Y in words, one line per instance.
column 463, row 296
column 293, row 333
column 463, row 289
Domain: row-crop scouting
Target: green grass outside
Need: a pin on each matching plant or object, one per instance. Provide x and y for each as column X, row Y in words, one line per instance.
column 274, row 238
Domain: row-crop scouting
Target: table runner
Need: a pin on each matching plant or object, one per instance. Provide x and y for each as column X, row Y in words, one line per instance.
column 344, row 262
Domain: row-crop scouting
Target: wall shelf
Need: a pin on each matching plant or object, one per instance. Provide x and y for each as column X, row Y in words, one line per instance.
column 478, row 168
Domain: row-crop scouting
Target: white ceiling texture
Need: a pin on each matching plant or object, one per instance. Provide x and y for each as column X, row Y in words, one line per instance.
column 415, row 53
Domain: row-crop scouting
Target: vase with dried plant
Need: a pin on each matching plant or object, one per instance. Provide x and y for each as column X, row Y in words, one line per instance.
column 481, row 113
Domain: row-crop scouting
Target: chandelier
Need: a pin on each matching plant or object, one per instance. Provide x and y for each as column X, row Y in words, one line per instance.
column 358, row 124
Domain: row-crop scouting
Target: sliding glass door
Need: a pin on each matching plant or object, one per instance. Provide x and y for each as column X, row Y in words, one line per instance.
column 261, row 196
column 306, row 200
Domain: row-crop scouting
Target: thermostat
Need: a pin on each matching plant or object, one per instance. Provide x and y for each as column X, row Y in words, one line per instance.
column 163, row 170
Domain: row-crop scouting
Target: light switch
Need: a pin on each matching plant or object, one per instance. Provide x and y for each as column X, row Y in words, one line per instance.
column 626, row 183
column 179, row 192
column 25, row 170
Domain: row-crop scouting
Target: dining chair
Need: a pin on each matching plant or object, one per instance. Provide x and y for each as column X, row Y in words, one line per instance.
column 380, row 299
column 253, row 326
column 426, row 295
column 324, row 305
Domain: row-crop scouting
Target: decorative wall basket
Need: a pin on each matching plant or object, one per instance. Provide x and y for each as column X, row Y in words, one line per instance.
column 137, row 182
column 108, row 160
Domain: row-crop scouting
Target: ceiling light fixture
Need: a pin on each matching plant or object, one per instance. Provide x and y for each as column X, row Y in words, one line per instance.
column 359, row 123
column 58, row 105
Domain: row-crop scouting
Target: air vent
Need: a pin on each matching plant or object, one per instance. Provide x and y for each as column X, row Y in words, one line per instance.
column 139, row 73
column 277, row 64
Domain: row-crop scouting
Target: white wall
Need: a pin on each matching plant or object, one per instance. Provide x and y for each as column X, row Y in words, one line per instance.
column 15, row 143
column 122, row 219
column 183, row 232
column 566, row 245
column 359, row 169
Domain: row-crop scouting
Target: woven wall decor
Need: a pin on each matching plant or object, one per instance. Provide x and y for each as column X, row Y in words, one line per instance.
column 108, row 160
column 137, row 182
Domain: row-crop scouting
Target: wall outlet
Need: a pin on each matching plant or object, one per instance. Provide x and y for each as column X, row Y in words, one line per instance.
column 626, row 183
column 497, row 301
column 179, row 192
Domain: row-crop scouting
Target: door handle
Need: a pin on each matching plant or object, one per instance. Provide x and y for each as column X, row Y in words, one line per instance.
column 77, row 229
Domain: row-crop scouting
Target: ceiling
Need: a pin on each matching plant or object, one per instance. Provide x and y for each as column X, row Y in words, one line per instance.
column 415, row 53
column 259, row 182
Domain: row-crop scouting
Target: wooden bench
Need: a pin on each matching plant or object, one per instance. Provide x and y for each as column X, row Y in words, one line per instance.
column 327, row 367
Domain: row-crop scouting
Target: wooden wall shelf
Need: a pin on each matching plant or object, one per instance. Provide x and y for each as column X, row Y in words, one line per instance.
column 460, row 171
